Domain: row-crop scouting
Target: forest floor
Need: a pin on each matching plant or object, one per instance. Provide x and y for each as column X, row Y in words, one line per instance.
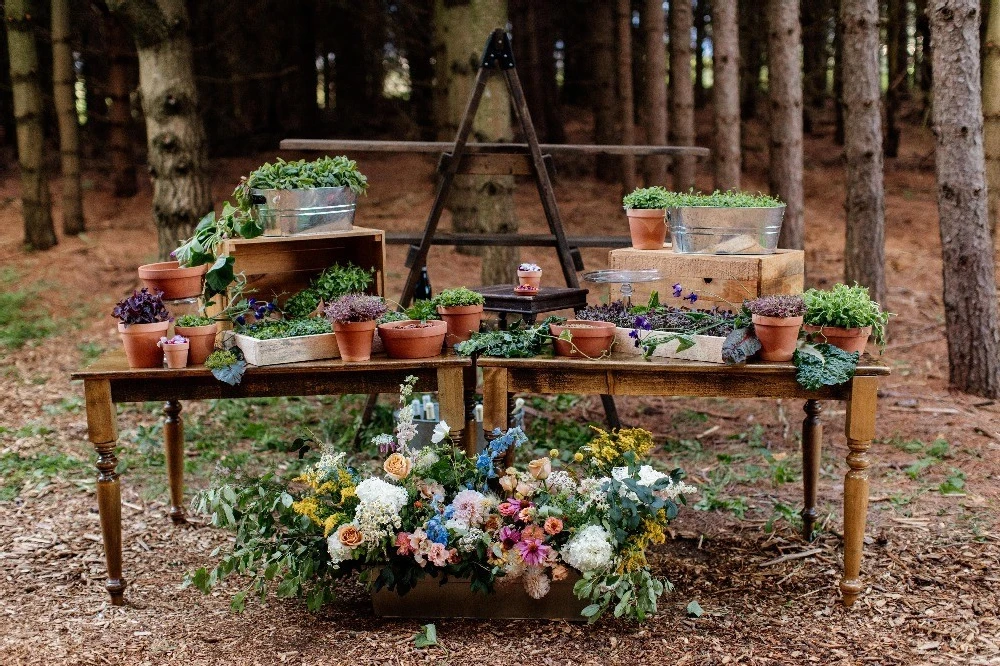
column 932, row 556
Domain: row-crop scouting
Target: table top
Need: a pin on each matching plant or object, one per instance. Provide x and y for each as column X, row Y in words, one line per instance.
column 113, row 365
column 501, row 297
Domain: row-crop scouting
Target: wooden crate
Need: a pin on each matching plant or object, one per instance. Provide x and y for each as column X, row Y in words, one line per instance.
column 706, row 348
column 288, row 350
column 717, row 279
column 280, row 266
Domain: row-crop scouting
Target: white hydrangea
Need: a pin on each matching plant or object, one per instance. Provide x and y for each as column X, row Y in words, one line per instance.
column 376, row 490
column 589, row 549
column 338, row 551
column 560, row 481
column 471, row 540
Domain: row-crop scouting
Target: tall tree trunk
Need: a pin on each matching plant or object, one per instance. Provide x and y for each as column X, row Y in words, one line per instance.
column 174, row 132
column 602, row 91
column 991, row 113
column 546, row 28
column 623, row 24
column 653, row 23
column 838, row 79
column 784, row 93
column 923, row 25
column 726, row 94
column 897, row 60
column 64, row 93
column 864, row 251
column 124, row 182
column 418, row 17
column 700, row 91
column 970, row 289
column 38, row 230
column 753, row 38
column 815, row 28
column 477, row 203
column 681, row 92
column 524, row 22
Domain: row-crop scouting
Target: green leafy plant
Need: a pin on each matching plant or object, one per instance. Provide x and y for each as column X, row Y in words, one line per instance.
column 270, row 329
column 227, row 365
column 203, row 247
column 518, row 341
column 846, row 307
column 191, row 320
column 331, row 284
column 458, row 297
column 823, row 365
column 645, row 198
column 391, row 316
column 719, row 199
column 423, row 310
column 325, row 172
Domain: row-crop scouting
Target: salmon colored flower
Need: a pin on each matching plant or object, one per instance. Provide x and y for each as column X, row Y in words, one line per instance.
column 540, row 468
column 349, row 535
column 532, row 532
column 397, row 466
column 553, row 525
column 403, row 546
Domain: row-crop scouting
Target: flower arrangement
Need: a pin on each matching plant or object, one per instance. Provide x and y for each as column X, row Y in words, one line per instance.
column 435, row 512
column 355, row 308
column 142, row 307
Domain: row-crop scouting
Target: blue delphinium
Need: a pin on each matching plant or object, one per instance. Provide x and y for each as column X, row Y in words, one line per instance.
column 436, row 531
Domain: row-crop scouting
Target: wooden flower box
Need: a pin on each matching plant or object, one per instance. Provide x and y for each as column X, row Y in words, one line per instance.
column 706, row 347
column 288, row 350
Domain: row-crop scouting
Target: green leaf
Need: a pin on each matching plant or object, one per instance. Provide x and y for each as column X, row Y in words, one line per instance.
column 287, row 500
column 219, row 276
column 427, row 637
column 740, row 345
column 238, row 604
column 591, row 610
column 694, row 609
column 823, row 365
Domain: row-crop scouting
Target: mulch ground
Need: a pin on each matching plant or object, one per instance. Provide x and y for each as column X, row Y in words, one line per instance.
column 932, row 560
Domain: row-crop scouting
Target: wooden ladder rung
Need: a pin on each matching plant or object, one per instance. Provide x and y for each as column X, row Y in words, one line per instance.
column 525, row 240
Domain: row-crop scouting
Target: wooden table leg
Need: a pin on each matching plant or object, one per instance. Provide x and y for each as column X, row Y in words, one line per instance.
column 102, row 430
column 611, row 411
column 451, row 401
column 173, row 444
column 812, row 448
column 495, row 411
column 860, row 433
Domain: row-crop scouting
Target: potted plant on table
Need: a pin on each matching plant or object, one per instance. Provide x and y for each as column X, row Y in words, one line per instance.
column 462, row 310
column 172, row 279
column 776, row 323
column 201, row 332
column 412, row 338
column 354, row 318
column 577, row 338
column 724, row 222
column 529, row 274
column 844, row 317
column 175, row 350
column 646, row 211
column 142, row 321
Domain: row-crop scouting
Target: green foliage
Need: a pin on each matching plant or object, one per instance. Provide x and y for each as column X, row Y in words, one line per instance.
column 823, row 365
column 297, row 175
column 424, row 310
column 458, row 297
column 22, row 320
column 694, row 609
column 518, row 341
column 270, row 329
column 302, row 304
column 645, row 198
column 203, row 247
column 740, row 345
column 954, row 484
column 220, row 358
column 631, row 594
column 426, row 637
column 39, row 470
column 190, row 320
column 847, row 307
column 391, row 316
column 719, row 199
column 328, row 286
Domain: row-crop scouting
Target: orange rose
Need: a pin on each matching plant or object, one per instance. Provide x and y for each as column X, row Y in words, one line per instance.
column 397, row 466
column 553, row 525
column 350, row 536
column 540, row 469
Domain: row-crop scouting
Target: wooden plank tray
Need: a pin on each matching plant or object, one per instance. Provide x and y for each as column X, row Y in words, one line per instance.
column 706, row 348
column 288, row 350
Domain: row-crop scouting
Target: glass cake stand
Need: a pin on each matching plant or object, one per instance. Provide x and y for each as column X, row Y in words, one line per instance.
column 624, row 278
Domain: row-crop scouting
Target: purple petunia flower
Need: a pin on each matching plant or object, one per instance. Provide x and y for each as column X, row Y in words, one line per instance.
column 643, row 323
column 677, row 290
column 691, row 297
column 241, row 320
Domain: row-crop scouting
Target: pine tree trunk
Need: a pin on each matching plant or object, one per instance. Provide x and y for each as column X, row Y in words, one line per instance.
column 174, row 132
column 681, row 92
column 897, row 61
column 64, row 94
column 726, row 94
column 815, row 28
column 838, row 79
column 864, row 251
column 546, row 28
column 991, row 113
column 784, row 92
column 923, row 25
column 524, row 22
column 602, row 90
column 121, row 150
column 623, row 23
column 39, row 233
column 753, row 39
column 700, row 91
column 970, row 290
column 653, row 25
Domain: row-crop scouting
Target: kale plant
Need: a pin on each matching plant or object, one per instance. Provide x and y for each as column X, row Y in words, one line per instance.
column 823, row 365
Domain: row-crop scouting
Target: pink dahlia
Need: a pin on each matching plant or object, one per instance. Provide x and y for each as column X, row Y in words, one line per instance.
column 509, row 536
column 509, row 508
column 533, row 551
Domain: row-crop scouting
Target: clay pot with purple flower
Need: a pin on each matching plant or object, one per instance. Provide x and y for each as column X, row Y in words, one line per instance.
column 142, row 321
column 175, row 351
column 353, row 317
column 776, row 323
column 529, row 275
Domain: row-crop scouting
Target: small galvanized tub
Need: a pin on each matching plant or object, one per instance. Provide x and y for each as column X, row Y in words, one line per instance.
column 714, row 230
column 308, row 211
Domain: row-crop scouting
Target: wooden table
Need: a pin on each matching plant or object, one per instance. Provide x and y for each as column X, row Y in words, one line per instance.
column 631, row 375
column 109, row 380
column 502, row 299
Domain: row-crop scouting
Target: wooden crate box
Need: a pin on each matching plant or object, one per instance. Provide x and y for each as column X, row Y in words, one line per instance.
column 717, row 279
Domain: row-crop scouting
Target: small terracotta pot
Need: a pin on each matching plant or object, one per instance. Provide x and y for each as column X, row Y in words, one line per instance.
column 175, row 282
column 462, row 320
column 530, row 278
column 355, row 340
column 176, row 355
column 140, row 343
column 591, row 339
column 648, row 228
column 412, row 338
column 848, row 339
column 201, row 339
column 777, row 336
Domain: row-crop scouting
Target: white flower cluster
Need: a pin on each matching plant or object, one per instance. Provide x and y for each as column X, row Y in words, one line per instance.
column 471, row 508
column 560, row 482
column 647, row 477
column 330, row 462
column 338, row 551
column 376, row 490
column 592, row 489
column 378, row 512
column 589, row 549
column 471, row 539
column 424, row 459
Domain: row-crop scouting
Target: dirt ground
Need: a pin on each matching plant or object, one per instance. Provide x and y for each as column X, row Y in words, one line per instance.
column 932, row 556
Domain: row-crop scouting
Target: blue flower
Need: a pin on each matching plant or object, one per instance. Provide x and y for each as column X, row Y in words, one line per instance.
column 643, row 323
column 449, row 512
column 691, row 297
column 436, row 531
column 677, row 290
column 484, row 465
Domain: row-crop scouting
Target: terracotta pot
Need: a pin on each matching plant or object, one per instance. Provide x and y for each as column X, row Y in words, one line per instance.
column 201, row 339
column 140, row 343
column 173, row 281
column 412, row 338
column 848, row 339
column 648, row 228
column 176, row 355
column 591, row 339
column 355, row 340
column 462, row 320
column 530, row 278
column 777, row 336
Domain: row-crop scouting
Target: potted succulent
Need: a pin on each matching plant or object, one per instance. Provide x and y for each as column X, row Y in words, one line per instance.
column 201, row 332
column 462, row 310
column 173, row 280
column 142, row 321
column 724, row 222
column 530, row 275
column 175, row 350
column 589, row 339
column 844, row 317
column 776, row 323
column 353, row 317
column 646, row 211
column 303, row 197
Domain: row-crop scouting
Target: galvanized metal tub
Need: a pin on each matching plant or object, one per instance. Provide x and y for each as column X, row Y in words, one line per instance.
column 306, row 211
column 713, row 230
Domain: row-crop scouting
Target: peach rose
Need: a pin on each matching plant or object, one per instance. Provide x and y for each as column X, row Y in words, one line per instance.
column 553, row 525
column 397, row 466
column 508, row 483
column 540, row 469
column 559, row 572
column 350, row 536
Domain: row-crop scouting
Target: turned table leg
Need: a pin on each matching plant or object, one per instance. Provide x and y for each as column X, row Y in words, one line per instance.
column 451, row 401
column 495, row 410
column 173, row 441
column 102, row 429
column 812, row 448
column 860, row 433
